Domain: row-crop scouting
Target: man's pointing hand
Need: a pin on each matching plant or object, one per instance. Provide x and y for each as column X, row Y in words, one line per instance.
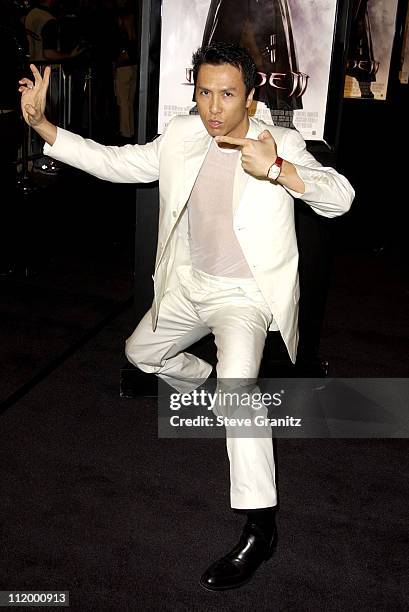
column 256, row 155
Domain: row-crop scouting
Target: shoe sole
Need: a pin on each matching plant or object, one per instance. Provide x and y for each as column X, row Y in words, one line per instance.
column 226, row 588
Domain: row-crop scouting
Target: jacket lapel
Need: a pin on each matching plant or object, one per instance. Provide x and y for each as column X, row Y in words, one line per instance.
column 241, row 178
column 195, row 150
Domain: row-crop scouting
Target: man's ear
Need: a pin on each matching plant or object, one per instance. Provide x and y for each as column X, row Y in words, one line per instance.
column 250, row 98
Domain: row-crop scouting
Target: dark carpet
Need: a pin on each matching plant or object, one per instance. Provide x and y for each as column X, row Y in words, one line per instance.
column 92, row 502
column 72, row 260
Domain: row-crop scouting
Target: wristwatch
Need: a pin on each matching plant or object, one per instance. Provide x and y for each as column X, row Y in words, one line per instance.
column 275, row 169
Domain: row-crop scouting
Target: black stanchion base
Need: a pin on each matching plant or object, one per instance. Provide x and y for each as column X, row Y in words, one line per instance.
column 25, row 186
column 135, row 383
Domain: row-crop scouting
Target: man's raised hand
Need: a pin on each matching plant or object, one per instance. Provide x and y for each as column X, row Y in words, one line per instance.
column 256, row 155
column 33, row 96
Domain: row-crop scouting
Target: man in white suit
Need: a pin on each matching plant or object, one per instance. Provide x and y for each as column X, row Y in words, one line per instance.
column 227, row 254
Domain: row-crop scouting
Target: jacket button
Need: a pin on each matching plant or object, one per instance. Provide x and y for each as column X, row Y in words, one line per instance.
column 174, row 213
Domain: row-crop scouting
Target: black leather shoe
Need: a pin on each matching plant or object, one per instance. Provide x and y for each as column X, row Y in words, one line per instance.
column 239, row 565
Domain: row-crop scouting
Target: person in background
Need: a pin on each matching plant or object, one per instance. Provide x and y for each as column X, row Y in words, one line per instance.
column 126, row 71
column 43, row 34
column 42, row 31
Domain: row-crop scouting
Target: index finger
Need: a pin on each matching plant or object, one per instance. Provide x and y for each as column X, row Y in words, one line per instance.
column 234, row 141
column 36, row 74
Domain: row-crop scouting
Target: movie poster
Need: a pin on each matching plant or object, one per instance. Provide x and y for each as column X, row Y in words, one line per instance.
column 404, row 64
column 370, row 49
column 290, row 41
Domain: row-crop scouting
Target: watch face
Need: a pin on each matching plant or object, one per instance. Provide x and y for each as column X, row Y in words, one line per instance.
column 274, row 172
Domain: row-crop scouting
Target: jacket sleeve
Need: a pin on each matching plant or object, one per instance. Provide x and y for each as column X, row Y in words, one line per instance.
column 126, row 164
column 328, row 193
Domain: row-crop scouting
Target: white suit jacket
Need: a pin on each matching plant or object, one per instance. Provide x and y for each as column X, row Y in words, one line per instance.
column 263, row 212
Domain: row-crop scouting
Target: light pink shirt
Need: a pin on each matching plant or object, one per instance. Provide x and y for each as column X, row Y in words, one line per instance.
column 214, row 248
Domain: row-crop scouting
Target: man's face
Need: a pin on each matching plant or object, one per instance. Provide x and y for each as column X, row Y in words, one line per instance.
column 221, row 100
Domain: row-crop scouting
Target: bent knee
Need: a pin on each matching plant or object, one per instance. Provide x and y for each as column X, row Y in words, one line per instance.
column 142, row 356
column 134, row 352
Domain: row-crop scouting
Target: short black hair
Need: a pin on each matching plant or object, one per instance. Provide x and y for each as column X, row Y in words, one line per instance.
column 227, row 53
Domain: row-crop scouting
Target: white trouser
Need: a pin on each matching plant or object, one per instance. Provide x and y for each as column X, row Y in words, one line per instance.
column 235, row 311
